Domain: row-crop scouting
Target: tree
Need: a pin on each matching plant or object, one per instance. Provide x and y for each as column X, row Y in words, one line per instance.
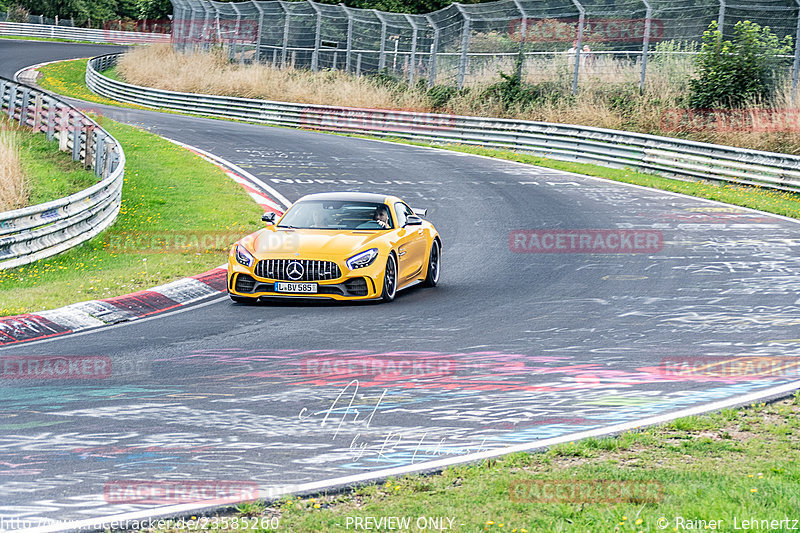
column 738, row 72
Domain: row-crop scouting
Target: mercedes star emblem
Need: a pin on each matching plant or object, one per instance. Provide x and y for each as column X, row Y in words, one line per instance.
column 294, row 270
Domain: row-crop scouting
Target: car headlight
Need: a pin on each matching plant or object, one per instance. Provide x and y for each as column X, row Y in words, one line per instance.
column 243, row 257
column 362, row 259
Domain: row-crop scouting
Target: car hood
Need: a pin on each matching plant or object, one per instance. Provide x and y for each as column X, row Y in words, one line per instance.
column 311, row 243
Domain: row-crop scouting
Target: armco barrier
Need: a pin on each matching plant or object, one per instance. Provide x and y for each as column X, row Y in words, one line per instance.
column 39, row 231
column 81, row 34
column 648, row 153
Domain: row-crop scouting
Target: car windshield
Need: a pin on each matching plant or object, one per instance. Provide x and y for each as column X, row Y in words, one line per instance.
column 338, row 214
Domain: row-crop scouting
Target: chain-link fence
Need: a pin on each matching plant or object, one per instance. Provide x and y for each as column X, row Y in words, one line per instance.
column 41, row 19
column 565, row 42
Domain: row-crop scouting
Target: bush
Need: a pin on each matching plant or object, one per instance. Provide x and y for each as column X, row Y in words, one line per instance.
column 17, row 13
column 739, row 72
column 440, row 95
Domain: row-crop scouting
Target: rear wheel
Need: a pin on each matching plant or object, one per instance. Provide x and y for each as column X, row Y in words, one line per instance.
column 389, row 279
column 434, row 265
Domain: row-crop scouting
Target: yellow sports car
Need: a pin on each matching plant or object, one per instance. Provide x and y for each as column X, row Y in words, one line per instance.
column 339, row 245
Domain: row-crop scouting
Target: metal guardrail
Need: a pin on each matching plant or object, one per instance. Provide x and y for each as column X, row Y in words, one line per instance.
column 675, row 158
column 81, row 34
column 43, row 230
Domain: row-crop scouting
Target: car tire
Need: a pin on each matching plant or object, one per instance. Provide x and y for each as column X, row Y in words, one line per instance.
column 434, row 265
column 389, row 279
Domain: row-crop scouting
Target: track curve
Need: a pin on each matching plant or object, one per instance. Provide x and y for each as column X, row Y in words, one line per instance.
column 510, row 348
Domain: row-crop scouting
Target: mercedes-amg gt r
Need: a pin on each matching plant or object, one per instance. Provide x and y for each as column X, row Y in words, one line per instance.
column 339, row 245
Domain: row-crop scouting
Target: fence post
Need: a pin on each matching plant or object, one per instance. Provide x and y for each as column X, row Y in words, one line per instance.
column 413, row 61
column 382, row 57
column 522, row 35
column 285, row 33
column 434, row 51
column 645, row 43
column 349, row 53
column 465, row 33
column 578, row 45
column 721, row 17
column 317, row 37
column 796, row 63
column 236, row 32
column 260, row 30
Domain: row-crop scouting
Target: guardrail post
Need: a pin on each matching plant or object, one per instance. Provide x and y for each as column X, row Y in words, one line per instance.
column 317, row 37
column 721, row 17
column 349, row 53
column 76, row 137
column 522, row 36
column 646, row 42
column 382, row 57
column 465, row 33
column 578, row 46
column 99, row 153
column 413, row 59
column 12, row 101
column 434, row 51
column 796, row 63
column 286, row 22
column 51, row 118
column 23, row 110
column 37, row 113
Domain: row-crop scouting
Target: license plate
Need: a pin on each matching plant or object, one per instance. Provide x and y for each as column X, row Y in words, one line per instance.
column 296, row 287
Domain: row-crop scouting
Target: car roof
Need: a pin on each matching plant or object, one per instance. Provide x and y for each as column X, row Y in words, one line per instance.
column 351, row 196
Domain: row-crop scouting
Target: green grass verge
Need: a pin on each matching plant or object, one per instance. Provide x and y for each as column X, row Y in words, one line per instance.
column 51, row 173
column 68, row 78
column 169, row 193
column 738, row 464
column 51, row 39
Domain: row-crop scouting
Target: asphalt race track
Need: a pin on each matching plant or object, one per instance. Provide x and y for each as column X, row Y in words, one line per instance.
column 510, row 349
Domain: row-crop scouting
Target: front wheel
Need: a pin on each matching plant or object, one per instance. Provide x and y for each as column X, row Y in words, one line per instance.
column 390, row 279
column 434, row 265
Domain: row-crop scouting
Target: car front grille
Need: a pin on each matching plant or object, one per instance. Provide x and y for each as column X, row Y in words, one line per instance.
column 280, row 269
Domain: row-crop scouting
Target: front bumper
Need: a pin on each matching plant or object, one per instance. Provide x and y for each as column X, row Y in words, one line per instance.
column 359, row 284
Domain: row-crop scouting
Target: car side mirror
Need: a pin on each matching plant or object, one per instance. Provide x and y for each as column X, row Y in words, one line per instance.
column 420, row 212
column 269, row 218
column 413, row 220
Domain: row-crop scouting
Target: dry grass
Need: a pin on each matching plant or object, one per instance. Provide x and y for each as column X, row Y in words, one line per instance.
column 13, row 183
column 211, row 73
column 608, row 95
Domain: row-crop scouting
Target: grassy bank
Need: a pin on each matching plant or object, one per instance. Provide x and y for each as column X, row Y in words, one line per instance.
column 169, row 194
column 41, row 172
column 67, row 78
column 739, row 464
